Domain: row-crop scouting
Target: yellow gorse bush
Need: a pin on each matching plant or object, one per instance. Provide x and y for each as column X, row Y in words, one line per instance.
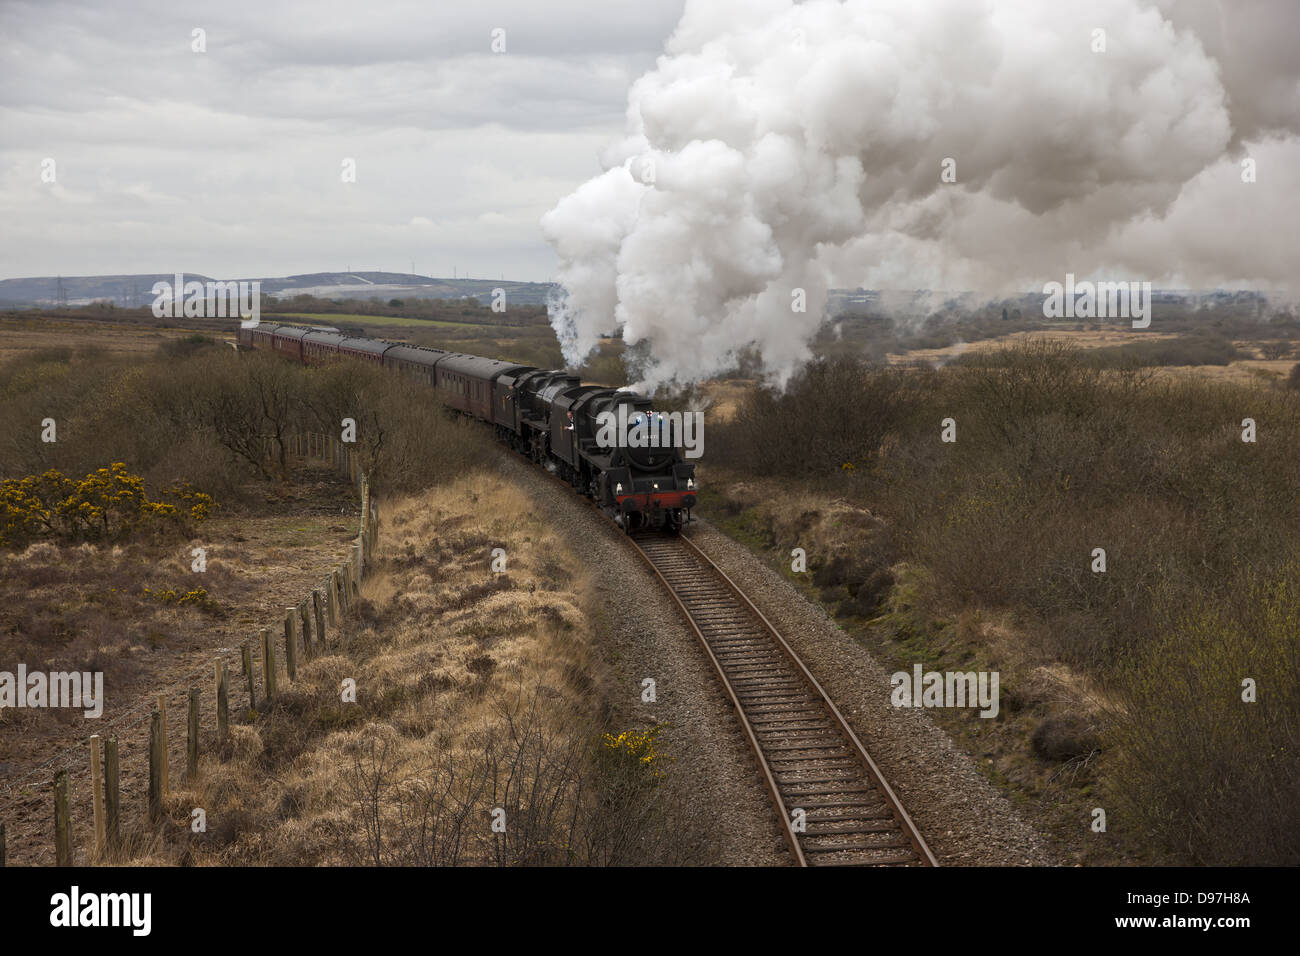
column 200, row 503
column 637, row 746
column 197, row 597
column 107, row 503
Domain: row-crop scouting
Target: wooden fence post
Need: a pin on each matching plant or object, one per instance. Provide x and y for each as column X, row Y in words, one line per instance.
column 62, row 829
column 247, row 654
column 332, row 599
column 319, row 614
column 223, row 702
column 165, row 758
column 365, row 511
column 155, row 766
column 112, row 796
column 268, row 663
column 304, row 619
column 290, row 645
column 97, row 795
column 192, row 739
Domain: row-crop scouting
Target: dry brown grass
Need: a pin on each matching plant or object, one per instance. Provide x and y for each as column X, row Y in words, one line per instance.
column 1085, row 339
column 83, row 607
column 475, row 690
column 27, row 332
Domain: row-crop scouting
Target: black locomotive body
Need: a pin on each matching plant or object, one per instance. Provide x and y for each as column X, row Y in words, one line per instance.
column 548, row 415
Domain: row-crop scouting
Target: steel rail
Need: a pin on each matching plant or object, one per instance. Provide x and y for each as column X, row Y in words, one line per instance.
column 726, row 625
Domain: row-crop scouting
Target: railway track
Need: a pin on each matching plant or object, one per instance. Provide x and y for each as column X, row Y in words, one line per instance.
column 810, row 758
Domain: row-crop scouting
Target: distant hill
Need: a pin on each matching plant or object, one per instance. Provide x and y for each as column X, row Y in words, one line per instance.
column 134, row 290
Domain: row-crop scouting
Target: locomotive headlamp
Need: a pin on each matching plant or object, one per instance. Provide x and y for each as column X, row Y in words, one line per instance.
column 618, row 488
column 690, row 483
column 656, row 486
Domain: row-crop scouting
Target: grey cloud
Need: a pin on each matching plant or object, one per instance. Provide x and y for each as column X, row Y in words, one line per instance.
column 229, row 161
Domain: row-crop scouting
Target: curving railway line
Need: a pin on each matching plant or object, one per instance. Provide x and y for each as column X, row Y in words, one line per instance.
column 809, row 756
column 834, row 806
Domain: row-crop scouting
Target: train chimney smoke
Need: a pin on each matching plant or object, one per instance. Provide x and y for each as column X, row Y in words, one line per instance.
column 778, row 149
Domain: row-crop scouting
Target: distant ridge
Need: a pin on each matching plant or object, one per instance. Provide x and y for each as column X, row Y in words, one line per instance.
column 131, row 291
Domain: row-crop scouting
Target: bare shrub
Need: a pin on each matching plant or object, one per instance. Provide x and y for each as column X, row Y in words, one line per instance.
column 1059, row 453
column 834, row 412
column 205, row 414
column 562, row 798
column 1211, row 774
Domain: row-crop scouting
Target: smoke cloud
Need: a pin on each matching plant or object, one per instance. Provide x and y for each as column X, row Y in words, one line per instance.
column 778, row 149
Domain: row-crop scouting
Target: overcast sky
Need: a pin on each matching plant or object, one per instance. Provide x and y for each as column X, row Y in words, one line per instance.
column 228, row 162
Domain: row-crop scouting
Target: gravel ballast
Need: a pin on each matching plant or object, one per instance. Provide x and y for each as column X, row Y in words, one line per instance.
column 643, row 635
column 963, row 818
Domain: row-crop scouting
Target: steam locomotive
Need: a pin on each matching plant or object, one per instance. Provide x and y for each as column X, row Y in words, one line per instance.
column 549, row 416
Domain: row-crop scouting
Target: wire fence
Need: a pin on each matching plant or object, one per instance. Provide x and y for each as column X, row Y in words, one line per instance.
column 306, row 629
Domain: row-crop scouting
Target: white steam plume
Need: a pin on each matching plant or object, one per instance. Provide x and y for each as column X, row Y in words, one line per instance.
column 779, row 147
